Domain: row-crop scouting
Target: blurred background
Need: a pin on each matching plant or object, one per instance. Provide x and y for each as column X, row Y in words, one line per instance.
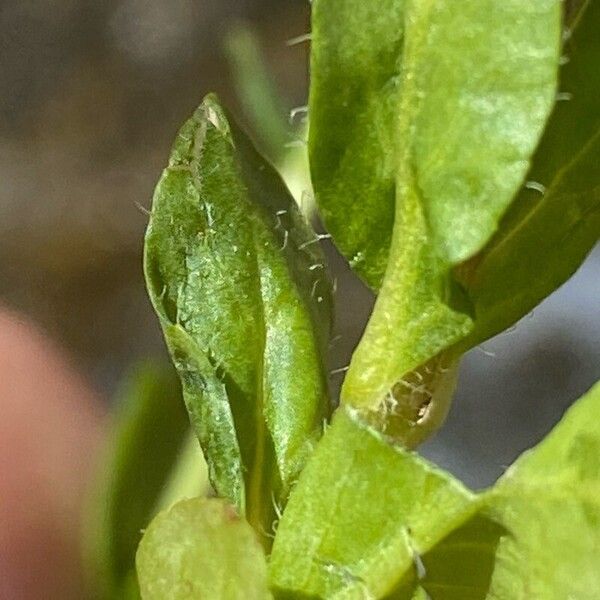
column 92, row 96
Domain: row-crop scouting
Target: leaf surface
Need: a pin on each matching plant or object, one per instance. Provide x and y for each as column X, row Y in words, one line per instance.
column 474, row 88
column 201, row 549
column 354, row 94
column 462, row 95
column 239, row 283
column 549, row 501
column 360, row 516
column 555, row 220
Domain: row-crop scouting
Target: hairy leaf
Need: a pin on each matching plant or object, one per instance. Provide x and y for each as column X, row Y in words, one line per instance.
column 148, row 434
column 475, row 87
column 462, row 99
column 549, row 501
column 239, row 283
column 201, row 549
column 555, row 220
column 362, row 513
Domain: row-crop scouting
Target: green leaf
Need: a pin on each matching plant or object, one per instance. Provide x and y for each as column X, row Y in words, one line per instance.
column 141, row 451
column 362, row 512
column 460, row 567
column 201, row 549
column 549, row 501
column 238, row 281
column 474, row 89
column 460, row 103
column 478, row 86
column 354, row 96
column 548, row 231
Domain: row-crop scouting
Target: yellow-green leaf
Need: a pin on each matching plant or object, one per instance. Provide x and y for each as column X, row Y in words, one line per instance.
column 362, row 513
column 201, row 549
column 549, row 502
column 555, row 220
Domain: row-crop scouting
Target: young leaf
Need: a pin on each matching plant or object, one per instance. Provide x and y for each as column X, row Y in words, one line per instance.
column 146, row 441
column 549, row 501
column 475, row 87
column 360, row 516
column 201, row 549
column 238, row 281
column 548, row 231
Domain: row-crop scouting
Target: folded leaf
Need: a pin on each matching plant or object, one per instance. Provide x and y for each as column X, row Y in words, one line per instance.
column 463, row 100
column 201, row 549
column 470, row 116
column 240, row 286
column 548, row 230
column 144, row 447
column 549, row 501
column 360, row 516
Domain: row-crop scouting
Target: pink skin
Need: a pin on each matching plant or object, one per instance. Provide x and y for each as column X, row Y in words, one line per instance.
column 50, row 426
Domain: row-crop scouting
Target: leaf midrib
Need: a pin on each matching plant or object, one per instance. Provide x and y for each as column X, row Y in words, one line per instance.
column 254, row 503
